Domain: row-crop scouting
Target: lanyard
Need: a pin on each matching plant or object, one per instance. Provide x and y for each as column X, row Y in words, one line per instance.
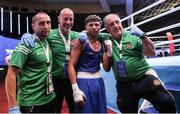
column 120, row 47
column 66, row 43
column 47, row 53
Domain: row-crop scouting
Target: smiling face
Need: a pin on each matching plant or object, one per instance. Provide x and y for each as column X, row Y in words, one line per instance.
column 113, row 25
column 66, row 20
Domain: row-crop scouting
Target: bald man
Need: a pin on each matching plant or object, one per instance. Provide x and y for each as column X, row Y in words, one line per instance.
column 61, row 40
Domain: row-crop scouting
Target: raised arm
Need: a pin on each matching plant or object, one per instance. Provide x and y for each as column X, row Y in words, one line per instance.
column 107, row 55
column 147, row 43
column 149, row 49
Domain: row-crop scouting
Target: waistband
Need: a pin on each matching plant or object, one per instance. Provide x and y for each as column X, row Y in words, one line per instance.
column 88, row 75
column 150, row 72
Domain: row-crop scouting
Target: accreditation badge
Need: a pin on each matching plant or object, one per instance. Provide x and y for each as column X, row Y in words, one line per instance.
column 121, row 69
column 49, row 83
column 68, row 57
column 68, row 48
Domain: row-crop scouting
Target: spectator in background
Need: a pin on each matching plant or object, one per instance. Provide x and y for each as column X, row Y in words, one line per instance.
column 32, row 69
column 163, row 52
column 135, row 78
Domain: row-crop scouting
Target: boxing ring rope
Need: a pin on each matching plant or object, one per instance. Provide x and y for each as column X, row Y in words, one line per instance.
column 163, row 29
column 153, row 37
column 140, row 11
column 167, row 42
column 156, row 17
column 144, row 9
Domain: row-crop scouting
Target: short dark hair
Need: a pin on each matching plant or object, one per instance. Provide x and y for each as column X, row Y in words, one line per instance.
column 34, row 18
column 92, row 18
